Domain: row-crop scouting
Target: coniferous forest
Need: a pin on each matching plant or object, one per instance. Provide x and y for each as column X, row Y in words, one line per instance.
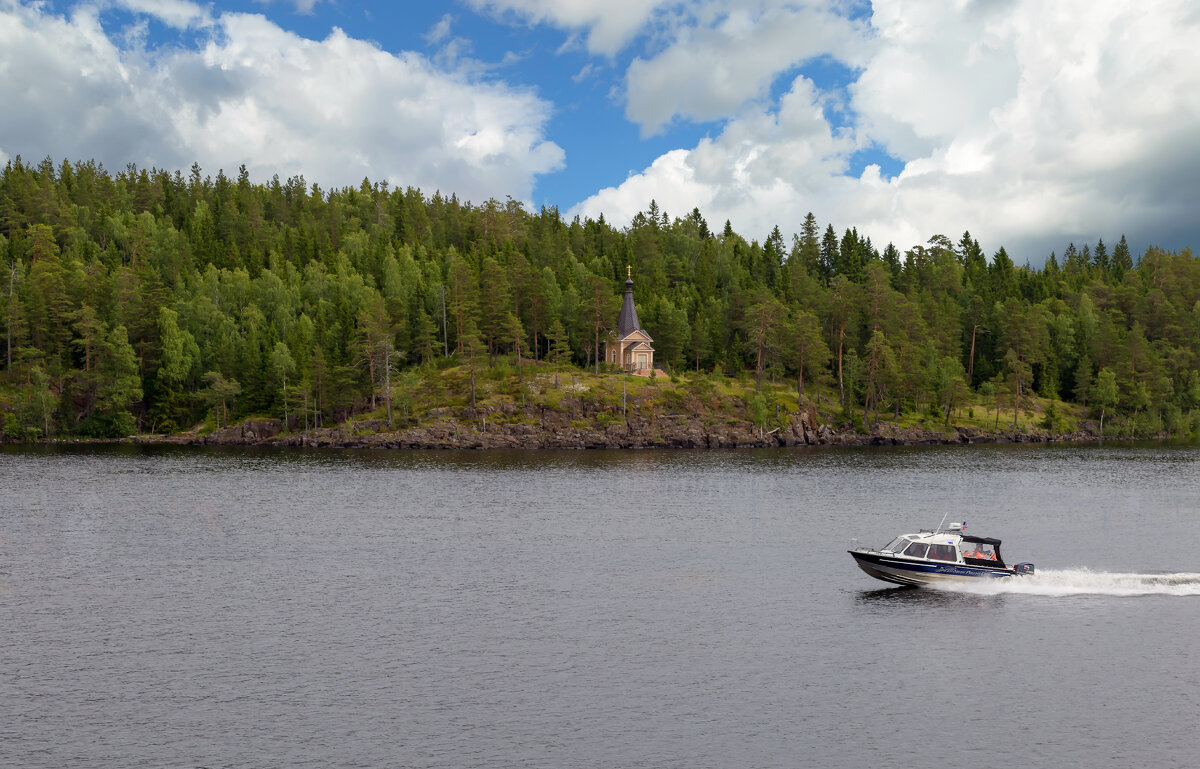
column 151, row 300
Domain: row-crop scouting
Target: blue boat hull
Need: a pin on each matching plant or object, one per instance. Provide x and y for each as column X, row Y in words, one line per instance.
column 900, row 570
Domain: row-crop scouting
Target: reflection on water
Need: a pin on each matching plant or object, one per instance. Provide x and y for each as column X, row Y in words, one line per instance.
column 901, row 597
column 230, row 607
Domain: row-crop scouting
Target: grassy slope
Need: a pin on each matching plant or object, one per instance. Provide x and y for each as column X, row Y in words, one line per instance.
column 429, row 395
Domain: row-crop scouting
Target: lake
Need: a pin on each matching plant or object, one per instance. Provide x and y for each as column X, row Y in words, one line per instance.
column 183, row 607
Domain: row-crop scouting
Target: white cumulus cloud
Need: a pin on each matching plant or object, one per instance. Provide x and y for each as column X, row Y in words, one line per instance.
column 765, row 168
column 179, row 14
column 439, row 31
column 1028, row 123
column 609, row 24
column 335, row 110
column 708, row 71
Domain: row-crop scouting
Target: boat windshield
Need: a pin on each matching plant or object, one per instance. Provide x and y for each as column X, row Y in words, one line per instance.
column 897, row 544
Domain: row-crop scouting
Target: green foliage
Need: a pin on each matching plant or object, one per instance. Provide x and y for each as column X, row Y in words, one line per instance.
column 120, row 291
column 758, row 410
column 552, row 399
column 1104, row 391
column 1055, row 419
column 674, row 397
column 114, row 425
column 12, row 427
column 700, row 386
column 605, row 419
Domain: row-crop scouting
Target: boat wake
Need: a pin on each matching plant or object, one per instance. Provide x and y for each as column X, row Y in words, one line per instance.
column 1064, row 582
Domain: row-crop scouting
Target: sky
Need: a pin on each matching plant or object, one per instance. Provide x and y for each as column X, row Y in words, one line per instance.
column 1029, row 123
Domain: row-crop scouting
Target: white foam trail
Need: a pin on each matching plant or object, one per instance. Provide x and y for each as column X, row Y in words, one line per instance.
column 1063, row 582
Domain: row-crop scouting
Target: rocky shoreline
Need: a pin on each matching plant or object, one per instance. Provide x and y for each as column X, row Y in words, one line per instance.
column 553, row 431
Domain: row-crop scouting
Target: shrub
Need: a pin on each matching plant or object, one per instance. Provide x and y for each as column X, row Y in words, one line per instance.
column 118, row 425
column 552, row 399
column 1147, row 424
column 673, row 397
column 1174, row 421
column 1050, row 418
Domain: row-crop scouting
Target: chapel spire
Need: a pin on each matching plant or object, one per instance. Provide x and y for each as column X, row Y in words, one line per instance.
column 628, row 319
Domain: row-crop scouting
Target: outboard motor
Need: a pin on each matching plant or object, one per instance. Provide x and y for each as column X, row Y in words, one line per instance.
column 1023, row 568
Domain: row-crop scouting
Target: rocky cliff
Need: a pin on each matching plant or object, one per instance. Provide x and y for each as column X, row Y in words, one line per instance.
column 546, row 429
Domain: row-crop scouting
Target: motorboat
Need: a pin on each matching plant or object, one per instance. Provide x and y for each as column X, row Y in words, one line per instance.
column 936, row 556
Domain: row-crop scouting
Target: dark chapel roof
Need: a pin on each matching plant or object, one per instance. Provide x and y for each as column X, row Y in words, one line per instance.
column 628, row 320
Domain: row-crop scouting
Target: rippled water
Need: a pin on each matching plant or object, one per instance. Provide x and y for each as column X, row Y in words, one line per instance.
column 181, row 607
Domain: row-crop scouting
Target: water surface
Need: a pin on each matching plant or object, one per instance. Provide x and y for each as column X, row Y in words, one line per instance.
column 186, row 607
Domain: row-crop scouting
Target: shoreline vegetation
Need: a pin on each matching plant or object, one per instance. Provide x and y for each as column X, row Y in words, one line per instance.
column 614, row 411
column 186, row 308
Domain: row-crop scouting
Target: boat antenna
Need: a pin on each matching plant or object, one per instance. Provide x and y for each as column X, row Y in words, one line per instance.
column 939, row 528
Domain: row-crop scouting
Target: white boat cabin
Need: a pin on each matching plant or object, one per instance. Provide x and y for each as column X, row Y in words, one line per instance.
column 949, row 545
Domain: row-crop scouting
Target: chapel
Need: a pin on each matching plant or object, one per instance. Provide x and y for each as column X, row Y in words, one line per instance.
column 630, row 350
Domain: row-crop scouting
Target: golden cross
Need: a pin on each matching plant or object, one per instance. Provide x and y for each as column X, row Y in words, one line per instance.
column 629, row 270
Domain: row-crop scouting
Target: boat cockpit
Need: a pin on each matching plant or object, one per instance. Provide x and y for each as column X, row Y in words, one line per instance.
column 949, row 546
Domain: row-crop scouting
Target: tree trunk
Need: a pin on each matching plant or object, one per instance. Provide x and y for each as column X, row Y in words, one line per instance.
column 517, row 345
column 870, row 381
column 371, row 369
column 1016, row 407
column 841, row 341
column 870, row 388
column 8, row 327
column 758, row 370
column 445, row 331
column 387, row 382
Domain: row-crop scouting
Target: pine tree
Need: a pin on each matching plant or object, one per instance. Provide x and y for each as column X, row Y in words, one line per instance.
column 1100, row 258
column 806, row 347
column 891, row 258
column 559, row 352
column 809, row 251
column 118, row 386
column 829, row 256
column 1122, row 260
column 760, row 323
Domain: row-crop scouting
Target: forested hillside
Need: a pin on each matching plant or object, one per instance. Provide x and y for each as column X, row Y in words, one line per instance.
column 150, row 300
